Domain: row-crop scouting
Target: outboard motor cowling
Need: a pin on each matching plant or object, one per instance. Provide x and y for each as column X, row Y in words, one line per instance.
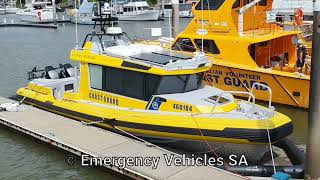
column 68, row 70
column 51, row 73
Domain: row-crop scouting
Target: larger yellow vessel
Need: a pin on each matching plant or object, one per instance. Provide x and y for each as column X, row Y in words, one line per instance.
column 245, row 48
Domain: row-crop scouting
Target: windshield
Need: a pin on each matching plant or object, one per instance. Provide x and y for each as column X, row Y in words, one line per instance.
column 179, row 83
column 109, row 41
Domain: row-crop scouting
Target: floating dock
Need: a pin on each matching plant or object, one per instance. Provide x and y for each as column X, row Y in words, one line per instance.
column 80, row 139
column 12, row 23
column 28, row 25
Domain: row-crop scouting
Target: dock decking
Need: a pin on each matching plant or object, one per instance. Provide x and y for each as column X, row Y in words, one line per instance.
column 79, row 139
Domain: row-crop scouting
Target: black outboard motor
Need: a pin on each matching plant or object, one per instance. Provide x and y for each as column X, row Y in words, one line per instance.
column 51, row 73
column 67, row 70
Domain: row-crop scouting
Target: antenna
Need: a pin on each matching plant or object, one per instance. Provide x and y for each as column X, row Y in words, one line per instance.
column 202, row 25
column 170, row 34
column 76, row 14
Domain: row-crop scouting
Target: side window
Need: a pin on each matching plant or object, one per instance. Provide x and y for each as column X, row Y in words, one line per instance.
column 95, row 72
column 113, row 80
column 167, row 6
column 132, row 84
column 184, row 44
column 245, row 2
column 129, row 83
column 236, row 4
column 263, row 3
column 209, row 5
column 151, row 83
column 172, row 84
column 208, row 46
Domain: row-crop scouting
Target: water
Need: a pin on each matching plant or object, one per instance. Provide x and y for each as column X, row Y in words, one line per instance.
column 21, row 49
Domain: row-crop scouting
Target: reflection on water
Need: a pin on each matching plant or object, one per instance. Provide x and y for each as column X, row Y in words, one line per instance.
column 300, row 122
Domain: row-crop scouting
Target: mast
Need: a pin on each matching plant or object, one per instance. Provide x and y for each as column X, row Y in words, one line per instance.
column 54, row 12
column 175, row 17
column 313, row 146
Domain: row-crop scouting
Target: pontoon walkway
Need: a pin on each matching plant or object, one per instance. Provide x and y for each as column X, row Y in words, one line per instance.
column 79, row 139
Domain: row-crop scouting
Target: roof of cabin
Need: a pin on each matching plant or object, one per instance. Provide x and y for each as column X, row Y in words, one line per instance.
column 142, row 57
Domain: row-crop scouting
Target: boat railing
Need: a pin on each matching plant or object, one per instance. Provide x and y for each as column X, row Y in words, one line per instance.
column 250, row 96
column 256, row 84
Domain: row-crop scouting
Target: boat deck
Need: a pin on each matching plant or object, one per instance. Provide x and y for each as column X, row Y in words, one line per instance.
column 79, row 139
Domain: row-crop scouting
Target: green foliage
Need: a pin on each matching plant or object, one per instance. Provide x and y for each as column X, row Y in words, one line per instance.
column 23, row 2
column 152, row 2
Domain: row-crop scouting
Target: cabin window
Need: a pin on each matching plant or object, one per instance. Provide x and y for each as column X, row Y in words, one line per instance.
column 184, row 44
column 95, row 76
column 208, row 46
column 125, row 10
column 112, row 80
column 123, row 82
column 209, row 5
column 167, row 6
column 151, row 84
column 263, row 3
column 179, row 83
column 140, row 85
column 132, row 84
column 194, row 82
column 185, row 7
column 172, row 84
column 236, row 4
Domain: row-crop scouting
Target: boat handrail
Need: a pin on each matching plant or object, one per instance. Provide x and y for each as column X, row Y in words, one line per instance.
column 267, row 87
column 250, row 95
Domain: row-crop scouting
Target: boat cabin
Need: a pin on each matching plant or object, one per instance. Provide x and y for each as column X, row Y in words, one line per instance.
column 135, row 6
column 240, row 32
column 114, row 70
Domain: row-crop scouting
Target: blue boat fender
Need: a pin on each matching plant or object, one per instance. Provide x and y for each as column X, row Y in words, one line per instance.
column 281, row 176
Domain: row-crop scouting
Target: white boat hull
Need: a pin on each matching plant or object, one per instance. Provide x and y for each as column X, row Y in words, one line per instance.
column 182, row 14
column 82, row 20
column 34, row 18
column 139, row 16
column 2, row 11
column 11, row 10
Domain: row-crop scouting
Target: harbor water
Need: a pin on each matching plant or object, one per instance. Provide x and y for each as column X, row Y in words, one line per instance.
column 22, row 49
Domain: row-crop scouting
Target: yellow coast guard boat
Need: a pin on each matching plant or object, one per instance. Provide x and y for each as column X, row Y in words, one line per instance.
column 152, row 93
column 245, row 48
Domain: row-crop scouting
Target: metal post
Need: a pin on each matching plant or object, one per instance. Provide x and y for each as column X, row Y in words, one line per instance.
column 313, row 145
column 54, row 12
column 175, row 17
column 162, row 8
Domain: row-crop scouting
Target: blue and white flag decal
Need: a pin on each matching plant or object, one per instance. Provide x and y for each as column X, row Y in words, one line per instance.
column 156, row 103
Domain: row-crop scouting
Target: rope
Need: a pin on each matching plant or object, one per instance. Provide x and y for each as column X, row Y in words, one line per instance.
column 15, row 106
column 212, row 150
column 271, row 150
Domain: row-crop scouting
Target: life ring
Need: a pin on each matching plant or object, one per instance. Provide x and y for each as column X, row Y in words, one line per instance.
column 298, row 16
column 39, row 15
